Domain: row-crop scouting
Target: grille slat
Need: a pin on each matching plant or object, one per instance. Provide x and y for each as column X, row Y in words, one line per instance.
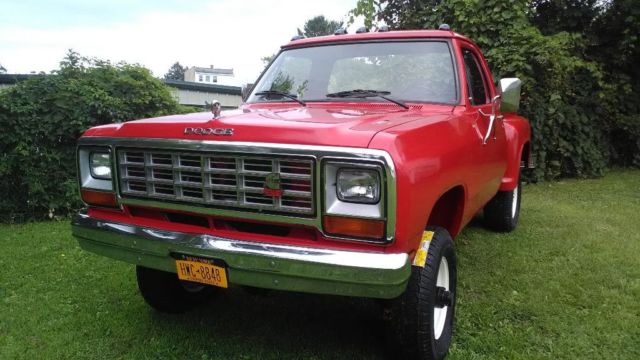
column 135, row 172
column 222, row 179
column 161, row 159
column 164, row 190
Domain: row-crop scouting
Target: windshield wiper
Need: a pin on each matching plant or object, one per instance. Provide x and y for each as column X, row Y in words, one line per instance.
column 359, row 93
column 282, row 94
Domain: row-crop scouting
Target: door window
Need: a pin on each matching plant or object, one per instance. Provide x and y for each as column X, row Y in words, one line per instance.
column 475, row 81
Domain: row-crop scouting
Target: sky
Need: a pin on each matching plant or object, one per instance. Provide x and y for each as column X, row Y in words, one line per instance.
column 36, row 34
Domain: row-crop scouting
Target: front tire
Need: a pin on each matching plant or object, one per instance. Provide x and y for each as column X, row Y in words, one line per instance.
column 164, row 292
column 503, row 211
column 421, row 319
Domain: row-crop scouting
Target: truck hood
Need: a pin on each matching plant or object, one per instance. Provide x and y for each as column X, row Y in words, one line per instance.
column 350, row 125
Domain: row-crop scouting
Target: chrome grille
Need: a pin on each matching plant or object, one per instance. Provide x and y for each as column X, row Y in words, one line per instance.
column 223, row 179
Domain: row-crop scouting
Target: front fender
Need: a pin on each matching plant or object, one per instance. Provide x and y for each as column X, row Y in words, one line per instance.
column 518, row 134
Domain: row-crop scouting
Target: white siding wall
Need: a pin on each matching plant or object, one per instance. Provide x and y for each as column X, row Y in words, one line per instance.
column 198, row 98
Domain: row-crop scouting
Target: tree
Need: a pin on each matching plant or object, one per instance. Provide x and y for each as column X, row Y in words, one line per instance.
column 176, row 72
column 266, row 60
column 319, row 26
column 554, row 16
column 615, row 45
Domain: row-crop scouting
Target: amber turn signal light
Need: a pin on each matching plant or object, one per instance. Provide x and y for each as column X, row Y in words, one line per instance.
column 99, row 198
column 346, row 226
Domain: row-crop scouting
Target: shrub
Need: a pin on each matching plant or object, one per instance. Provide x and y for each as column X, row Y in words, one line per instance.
column 41, row 119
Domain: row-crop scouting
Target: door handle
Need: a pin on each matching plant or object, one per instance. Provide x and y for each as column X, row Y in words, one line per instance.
column 492, row 120
column 495, row 104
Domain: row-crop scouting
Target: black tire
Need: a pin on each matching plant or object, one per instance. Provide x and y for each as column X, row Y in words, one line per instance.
column 164, row 292
column 499, row 213
column 411, row 316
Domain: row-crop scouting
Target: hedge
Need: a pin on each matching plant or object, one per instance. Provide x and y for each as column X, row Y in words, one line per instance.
column 41, row 119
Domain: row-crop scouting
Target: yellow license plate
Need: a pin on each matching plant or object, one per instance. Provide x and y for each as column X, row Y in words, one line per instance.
column 201, row 271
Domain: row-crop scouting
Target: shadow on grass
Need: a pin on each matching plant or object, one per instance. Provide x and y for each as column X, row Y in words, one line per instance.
column 278, row 324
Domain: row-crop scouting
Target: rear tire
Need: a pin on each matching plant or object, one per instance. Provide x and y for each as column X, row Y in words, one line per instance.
column 164, row 292
column 503, row 211
column 421, row 319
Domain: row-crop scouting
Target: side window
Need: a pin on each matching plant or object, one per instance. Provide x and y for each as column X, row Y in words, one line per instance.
column 475, row 81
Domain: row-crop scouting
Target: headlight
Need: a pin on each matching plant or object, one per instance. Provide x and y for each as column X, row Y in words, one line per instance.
column 358, row 186
column 354, row 200
column 100, row 165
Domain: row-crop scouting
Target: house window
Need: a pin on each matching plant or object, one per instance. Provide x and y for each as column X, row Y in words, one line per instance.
column 200, row 78
column 206, row 78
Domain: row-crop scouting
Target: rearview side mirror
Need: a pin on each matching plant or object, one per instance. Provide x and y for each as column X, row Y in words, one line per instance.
column 510, row 94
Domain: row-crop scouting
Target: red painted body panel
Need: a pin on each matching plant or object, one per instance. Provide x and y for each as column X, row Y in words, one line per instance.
column 435, row 148
column 331, row 124
column 374, row 36
column 518, row 133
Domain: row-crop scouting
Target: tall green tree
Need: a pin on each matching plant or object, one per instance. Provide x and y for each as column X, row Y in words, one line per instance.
column 573, row 16
column 615, row 45
column 319, row 26
column 176, row 72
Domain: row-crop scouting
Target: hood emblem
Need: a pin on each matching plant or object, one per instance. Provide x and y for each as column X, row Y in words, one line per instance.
column 272, row 186
column 208, row 131
column 216, row 108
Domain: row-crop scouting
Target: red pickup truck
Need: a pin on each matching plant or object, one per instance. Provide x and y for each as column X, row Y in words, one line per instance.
column 348, row 169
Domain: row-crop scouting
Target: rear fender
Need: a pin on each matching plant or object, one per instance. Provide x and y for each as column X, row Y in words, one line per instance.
column 518, row 134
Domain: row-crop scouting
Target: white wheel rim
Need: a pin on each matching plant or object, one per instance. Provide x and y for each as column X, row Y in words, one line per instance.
column 514, row 202
column 440, row 314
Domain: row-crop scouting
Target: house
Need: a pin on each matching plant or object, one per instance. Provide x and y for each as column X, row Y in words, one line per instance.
column 210, row 75
column 197, row 94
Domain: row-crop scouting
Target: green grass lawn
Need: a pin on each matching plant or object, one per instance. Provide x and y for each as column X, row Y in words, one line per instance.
column 564, row 285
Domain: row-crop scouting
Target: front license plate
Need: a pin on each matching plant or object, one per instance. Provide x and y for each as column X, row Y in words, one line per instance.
column 202, row 271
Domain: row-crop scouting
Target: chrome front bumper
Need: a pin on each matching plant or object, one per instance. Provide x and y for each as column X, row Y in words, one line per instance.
column 291, row 268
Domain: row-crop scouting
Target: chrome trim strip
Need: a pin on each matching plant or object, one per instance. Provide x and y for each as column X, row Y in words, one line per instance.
column 321, row 153
column 340, row 272
column 159, row 204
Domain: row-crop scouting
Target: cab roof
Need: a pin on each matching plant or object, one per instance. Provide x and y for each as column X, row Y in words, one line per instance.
column 387, row 35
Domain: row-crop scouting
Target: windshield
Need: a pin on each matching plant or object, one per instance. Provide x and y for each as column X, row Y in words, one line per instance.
column 407, row 71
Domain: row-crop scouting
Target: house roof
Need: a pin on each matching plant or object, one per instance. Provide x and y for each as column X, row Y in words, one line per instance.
column 211, row 88
column 11, row 79
column 216, row 71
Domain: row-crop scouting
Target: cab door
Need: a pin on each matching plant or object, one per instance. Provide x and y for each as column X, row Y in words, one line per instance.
column 487, row 144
